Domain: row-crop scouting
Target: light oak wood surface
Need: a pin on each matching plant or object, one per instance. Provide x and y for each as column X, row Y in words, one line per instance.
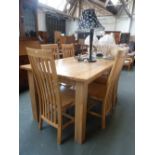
column 54, row 99
column 107, row 92
column 82, row 73
column 54, row 49
column 67, row 50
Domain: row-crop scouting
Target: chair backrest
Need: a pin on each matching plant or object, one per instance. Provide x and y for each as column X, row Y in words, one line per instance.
column 46, row 81
column 113, row 77
column 67, row 50
column 54, row 49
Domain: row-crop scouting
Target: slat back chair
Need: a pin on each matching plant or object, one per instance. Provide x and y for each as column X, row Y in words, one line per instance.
column 53, row 48
column 67, row 50
column 113, row 79
column 114, row 101
column 105, row 93
column 103, row 79
column 51, row 100
column 106, row 49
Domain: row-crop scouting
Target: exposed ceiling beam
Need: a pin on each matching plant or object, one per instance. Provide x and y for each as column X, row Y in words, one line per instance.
column 80, row 7
column 125, row 8
column 97, row 2
column 106, row 3
column 131, row 19
column 73, row 8
column 65, row 8
column 120, row 11
column 99, row 5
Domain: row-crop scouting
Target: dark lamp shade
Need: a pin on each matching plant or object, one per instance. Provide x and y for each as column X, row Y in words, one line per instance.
column 89, row 21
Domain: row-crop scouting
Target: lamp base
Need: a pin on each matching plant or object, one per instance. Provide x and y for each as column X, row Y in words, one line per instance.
column 91, row 60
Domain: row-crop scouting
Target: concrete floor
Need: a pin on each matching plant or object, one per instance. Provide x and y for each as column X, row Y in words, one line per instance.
column 117, row 139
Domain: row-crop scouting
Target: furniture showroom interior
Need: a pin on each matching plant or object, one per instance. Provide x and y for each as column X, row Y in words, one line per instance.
column 77, row 77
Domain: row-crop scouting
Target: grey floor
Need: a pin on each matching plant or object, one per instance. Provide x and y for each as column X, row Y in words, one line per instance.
column 117, row 139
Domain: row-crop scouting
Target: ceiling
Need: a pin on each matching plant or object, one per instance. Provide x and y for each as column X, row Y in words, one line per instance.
column 102, row 7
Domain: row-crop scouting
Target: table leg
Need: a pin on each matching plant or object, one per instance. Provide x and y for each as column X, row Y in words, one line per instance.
column 33, row 96
column 80, row 111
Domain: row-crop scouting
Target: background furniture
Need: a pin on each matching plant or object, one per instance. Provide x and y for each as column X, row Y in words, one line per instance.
column 67, row 50
column 57, row 36
column 23, row 59
column 81, row 75
column 124, row 38
column 53, row 48
column 128, row 62
column 130, row 58
column 43, row 37
column 117, row 35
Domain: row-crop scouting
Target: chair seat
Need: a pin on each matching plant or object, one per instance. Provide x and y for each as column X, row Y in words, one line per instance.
column 103, row 78
column 67, row 96
column 97, row 90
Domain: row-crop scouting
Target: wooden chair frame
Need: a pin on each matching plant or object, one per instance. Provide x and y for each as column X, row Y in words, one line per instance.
column 67, row 50
column 54, row 48
column 109, row 94
column 52, row 105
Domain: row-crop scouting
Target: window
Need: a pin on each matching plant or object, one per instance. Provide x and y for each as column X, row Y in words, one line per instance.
column 57, row 4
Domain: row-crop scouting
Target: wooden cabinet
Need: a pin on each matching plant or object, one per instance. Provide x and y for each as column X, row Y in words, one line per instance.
column 23, row 59
column 28, row 19
column 125, row 38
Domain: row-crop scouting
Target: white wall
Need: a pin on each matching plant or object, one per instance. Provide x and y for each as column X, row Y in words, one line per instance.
column 71, row 26
column 133, row 27
column 121, row 23
column 41, row 20
column 111, row 23
column 108, row 22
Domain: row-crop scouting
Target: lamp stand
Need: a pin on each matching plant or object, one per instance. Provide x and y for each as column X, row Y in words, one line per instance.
column 91, row 59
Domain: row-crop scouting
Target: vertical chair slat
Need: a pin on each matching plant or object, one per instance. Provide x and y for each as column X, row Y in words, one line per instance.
column 46, row 81
column 67, row 50
column 53, row 48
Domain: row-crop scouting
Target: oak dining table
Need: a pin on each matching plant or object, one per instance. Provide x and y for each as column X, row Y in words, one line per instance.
column 79, row 73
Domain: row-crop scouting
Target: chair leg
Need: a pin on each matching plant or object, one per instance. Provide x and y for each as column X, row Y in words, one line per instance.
column 40, row 123
column 59, row 135
column 115, row 101
column 103, row 120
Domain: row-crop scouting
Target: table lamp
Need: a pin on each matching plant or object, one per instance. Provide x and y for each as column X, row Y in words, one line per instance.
column 88, row 23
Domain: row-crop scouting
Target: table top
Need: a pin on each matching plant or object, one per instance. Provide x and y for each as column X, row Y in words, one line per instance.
column 79, row 71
